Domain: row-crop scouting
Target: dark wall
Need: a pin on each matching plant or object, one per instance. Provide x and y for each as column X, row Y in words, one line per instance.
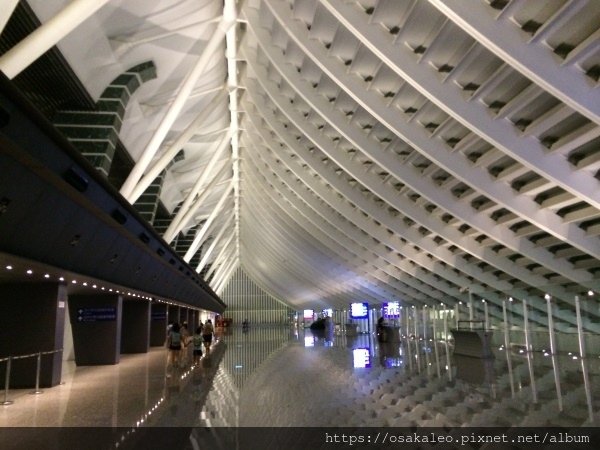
column 97, row 233
column 96, row 323
column 32, row 321
column 158, row 324
column 135, row 326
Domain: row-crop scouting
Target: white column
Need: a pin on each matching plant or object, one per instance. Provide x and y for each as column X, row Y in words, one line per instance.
column 212, row 247
column 168, row 155
column 226, row 279
column 506, row 331
column 165, row 125
column 177, row 223
column 222, row 270
column 49, row 34
column 579, row 327
column 214, row 243
column 230, row 13
column 199, row 237
column 7, row 9
column 486, row 315
column 220, row 262
column 471, row 310
column 200, row 199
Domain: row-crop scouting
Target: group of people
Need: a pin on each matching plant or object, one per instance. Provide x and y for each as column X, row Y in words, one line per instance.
column 179, row 340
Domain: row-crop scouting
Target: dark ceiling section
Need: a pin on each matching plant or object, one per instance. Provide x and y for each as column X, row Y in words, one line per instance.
column 49, row 83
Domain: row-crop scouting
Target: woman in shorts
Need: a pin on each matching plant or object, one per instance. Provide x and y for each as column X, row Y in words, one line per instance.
column 174, row 345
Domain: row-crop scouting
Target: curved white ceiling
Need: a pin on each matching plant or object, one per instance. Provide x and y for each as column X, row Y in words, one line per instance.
column 384, row 150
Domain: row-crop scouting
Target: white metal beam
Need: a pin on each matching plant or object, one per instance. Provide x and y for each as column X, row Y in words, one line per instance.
column 42, row 39
column 199, row 238
column 212, row 47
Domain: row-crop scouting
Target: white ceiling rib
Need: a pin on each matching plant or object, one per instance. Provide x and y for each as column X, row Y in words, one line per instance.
column 429, row 190
column 369, row 150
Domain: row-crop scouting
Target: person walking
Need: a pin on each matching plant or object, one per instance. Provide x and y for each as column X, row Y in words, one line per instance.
column 185, row 340
column 197, row 340
column 174, row 346
column 207, row 335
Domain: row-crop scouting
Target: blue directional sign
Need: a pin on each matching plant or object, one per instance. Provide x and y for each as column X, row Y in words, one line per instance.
column 159, row 315
column 96, row 314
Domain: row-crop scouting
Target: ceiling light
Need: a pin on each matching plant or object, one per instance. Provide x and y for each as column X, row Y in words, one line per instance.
column 61, row 279
column 29, row 271
column 46, row 276
column 9, row 267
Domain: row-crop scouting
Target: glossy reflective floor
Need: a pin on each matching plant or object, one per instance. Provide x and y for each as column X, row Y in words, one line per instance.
column 289, row 377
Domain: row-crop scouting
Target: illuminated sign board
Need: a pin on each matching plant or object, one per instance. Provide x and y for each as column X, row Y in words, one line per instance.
column 361, row 358
column 309, row 314
column 359, row 310
column 328, row 312
column 309, row 341
column 391, row 310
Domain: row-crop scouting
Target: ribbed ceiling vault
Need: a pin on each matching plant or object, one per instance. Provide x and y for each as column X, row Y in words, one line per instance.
column 371, row 150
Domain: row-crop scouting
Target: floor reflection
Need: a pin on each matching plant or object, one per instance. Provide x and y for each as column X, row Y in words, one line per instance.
column 295, row 377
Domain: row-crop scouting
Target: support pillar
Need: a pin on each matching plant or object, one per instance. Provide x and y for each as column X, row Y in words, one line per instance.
column 32, row 320
column 173, row 314
column 96, row 323
column 184, row 316
column 158, row 324
column 135, row 326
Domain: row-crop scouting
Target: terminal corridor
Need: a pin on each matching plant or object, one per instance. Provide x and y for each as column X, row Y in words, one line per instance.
column 281, row 377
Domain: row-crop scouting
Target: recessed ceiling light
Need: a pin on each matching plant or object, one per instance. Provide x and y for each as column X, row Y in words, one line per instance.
column 47, row 276
column 29, row 271
column 74, row 281
column 61, row 279
column 9, row 267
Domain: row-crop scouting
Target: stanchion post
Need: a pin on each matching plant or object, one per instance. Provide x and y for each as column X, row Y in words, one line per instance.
column 7, row 382
column 37, row 374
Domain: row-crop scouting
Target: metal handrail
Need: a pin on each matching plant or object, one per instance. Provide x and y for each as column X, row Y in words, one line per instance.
column 9, row 360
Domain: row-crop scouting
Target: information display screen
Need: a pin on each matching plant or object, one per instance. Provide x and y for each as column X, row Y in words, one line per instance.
column 328, row 312
column 391, row 310
column 309, row 341
column 361, row 358
column 359, row 310
column 309, row 313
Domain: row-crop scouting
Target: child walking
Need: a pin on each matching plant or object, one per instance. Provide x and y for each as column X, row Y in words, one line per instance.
column 197, row 341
